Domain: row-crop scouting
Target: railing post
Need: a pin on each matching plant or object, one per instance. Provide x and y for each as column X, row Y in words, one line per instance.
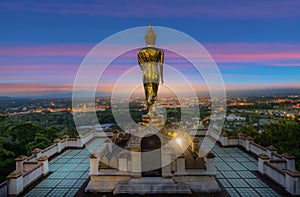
column 210, row 162
column 20, row 163
column 94, row 163
column 292, row 182
column 15, row 183
column 270, row 151
column 290, row 161
column 66, row 137
column 45, row 165
column 248, row 140
column 123, row 164
column 180, row 165
column 79, row 141
column 37, row 152
column 262, row 158
column 58, row 145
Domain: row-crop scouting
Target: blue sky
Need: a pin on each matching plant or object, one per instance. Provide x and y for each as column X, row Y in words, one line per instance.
column 256, row 44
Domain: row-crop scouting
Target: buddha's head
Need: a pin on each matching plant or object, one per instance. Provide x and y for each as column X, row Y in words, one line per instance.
column 150, row 36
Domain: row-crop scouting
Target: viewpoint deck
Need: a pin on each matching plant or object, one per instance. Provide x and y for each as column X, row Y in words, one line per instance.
column 69, row 171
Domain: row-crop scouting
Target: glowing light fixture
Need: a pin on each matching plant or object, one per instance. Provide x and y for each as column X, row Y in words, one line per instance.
column 179, row 141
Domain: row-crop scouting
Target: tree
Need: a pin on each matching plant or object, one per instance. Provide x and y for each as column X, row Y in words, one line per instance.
column 7, row 160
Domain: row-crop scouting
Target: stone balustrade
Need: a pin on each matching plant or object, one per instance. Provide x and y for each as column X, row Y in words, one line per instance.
column 279, row 168
column 29, row 169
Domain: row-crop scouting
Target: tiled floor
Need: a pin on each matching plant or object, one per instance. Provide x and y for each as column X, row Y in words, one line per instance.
column 234, row 172
column 69, row 171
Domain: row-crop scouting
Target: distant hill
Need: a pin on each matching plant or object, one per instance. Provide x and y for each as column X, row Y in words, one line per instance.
column 50, row 95
column 260, row 92
column 5, row 98
column 257, row 92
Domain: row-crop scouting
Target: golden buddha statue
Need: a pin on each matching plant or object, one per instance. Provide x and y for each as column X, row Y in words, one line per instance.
column 148, row 59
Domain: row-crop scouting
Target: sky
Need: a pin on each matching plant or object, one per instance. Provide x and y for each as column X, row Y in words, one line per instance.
column 255, row 44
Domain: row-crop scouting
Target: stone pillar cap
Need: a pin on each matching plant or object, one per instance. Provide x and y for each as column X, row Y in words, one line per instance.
column 56, row 140
column 263, row 156
column 293, row 173
column 210, row 155
column 15, row 174
column 21, row 158
column 271, row 148
column 43, row 158
column 288, row 156
column 36, row 150
column 249, row 138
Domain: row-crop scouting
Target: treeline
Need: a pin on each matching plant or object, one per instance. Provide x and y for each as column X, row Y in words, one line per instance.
column 19, row 135
column 284, row 135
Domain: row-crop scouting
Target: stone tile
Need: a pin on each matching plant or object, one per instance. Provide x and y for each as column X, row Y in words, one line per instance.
column 232, row 192
column 230, row 174
column 238, row 183
column 256, row 183
column 267, row 192
column 246, row 174
column 225, row 183
column 247, row 192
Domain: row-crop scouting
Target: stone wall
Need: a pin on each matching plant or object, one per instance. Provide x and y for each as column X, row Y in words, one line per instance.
column 29, row 169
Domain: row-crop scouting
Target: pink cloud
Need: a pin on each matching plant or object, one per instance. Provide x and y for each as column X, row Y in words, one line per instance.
column 29, row 88
column 47, row 50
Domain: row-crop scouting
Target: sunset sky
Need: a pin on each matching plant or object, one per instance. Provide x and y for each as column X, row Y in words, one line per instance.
column 256, row 44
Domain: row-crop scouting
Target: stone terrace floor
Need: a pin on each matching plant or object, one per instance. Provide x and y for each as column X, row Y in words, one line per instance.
column 235, row 172
column 68, row 172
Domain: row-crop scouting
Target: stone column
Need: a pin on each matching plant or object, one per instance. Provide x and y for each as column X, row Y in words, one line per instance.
column 66, row 137
column 19, row 163
column 224, row 138
column 166, row 163
column 94, row 164
column 290, row 161
column 262, row 158
column 58, row 145
column 270, row 150
column 79, row 141
column 292, row 182
column 45, row 165
column 136, row 162
column 181, row 165
column 248, row 140
column 15, row 183
column 210, row 162
column 37, row 152
column 123, row 165
column 241, row 137
column 108, row 144
column 196, row 145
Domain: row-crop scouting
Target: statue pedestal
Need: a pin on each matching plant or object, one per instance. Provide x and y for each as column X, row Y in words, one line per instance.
column 155, row 120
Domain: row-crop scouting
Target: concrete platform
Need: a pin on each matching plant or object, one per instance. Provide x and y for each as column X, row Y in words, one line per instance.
column 155, row 185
